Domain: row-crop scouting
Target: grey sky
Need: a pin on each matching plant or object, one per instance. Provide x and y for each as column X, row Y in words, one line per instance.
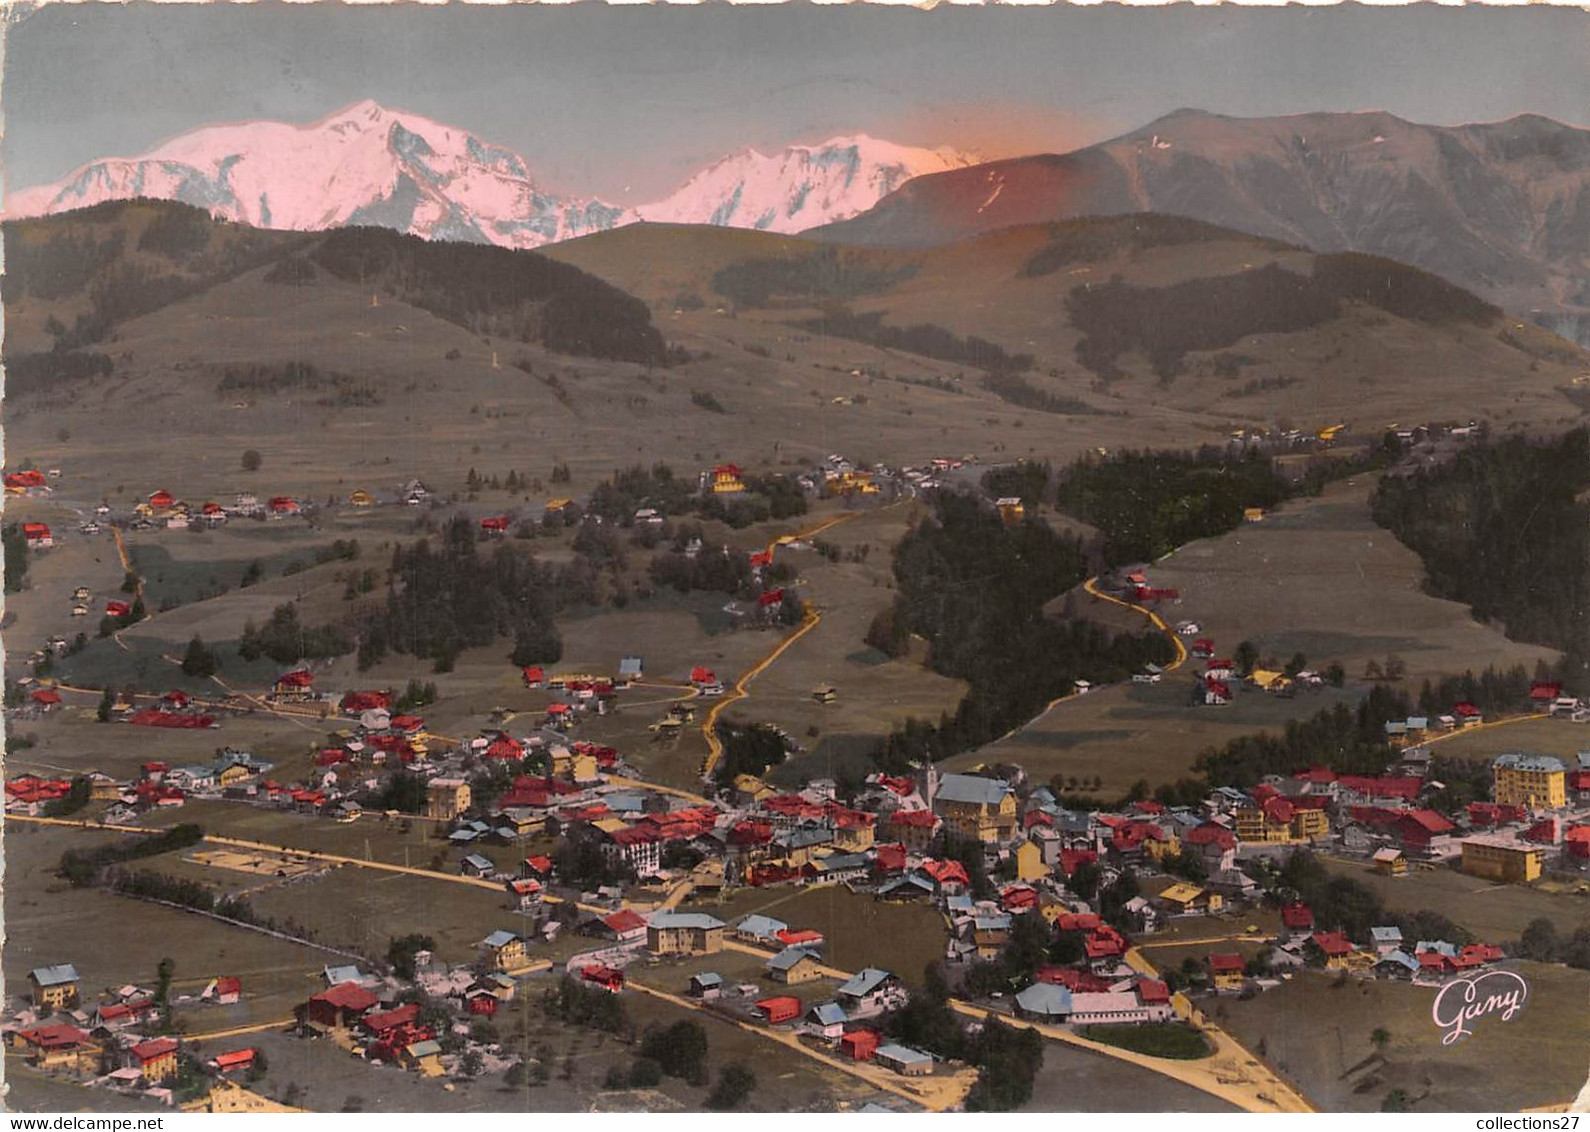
column 624, row 102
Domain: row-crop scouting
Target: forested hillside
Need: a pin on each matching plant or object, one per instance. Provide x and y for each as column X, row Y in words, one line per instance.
column 1504, row 529
column 975, row 588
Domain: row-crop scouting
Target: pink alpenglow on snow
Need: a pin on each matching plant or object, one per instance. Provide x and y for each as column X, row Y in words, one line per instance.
column 802, row 187
column 369, row 165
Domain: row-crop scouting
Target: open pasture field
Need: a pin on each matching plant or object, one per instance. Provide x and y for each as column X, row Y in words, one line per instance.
column 1493, row 912
column 363, row 910
column 1315, row 1033
column 1133, row 731
column 1316, row 577
column 858, row 931
column 1560, row 737
column 1073, row 1079
column 49, row 922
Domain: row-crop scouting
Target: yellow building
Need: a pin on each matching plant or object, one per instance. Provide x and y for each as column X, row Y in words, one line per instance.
column 1390, row 862
column 425, row 1058
column 1187, row 898
column 361, row 498
column 54, row 988
column 1309, row 825
column 1497, row 858
column 1010, row 510
column 1263, row 824
column 156, row 1059
column 684, row 933
column 583, row 768
column 1029, row 862
column 446, row 798
column 505, row 951
column 234, row 774
column 1278, row 821
column 983, row 808
column 854, row 836
column 1533, row 781
column 726, row 480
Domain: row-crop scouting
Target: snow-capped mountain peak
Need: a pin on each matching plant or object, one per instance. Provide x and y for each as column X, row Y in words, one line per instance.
column 801, row 186
column 370, row 164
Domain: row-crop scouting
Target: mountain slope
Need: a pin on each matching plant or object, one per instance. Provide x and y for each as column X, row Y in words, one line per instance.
column 368, row 165
column 1502, row 209
column 73, row 280
column 362, row 356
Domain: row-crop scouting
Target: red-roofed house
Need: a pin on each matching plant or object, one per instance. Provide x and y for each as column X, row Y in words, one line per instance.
column 38, row 536
column 914, row 829
column 1543, row 693
column 1467, row 714
column 625, row 924
column 58, row 1046
column 637, row 847
column 1336, row 947
column 1073, row 979
column 494, row 526
column 357, row 703
column 1152, row 992
column 45, row 698
column 228, row 989
column 891, row 858
column 608, row 978
column 778, row 1009
column 1228, row 970
column 21, row 481
column 1073, row 859
column 535, row 676
column 860, row 1045
column 949, row 877
column 156, row 1059
column 1216, row 692
column 1019, row 898
column 1577, row 841
column 800, row 937
column 1417, row 828
column 1297, row 917
column 1546, row 832
column 336, row 1008
column 233, row 1060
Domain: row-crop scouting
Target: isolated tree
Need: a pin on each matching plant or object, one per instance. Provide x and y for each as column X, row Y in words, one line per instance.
column 251, row 460
column 735, row 1083
column 1380, row 1038
column 1539, row 941
column 198, row 660
column 1246, row 656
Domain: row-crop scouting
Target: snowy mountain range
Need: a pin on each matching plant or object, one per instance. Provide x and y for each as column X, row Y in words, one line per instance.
column 373, row 166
